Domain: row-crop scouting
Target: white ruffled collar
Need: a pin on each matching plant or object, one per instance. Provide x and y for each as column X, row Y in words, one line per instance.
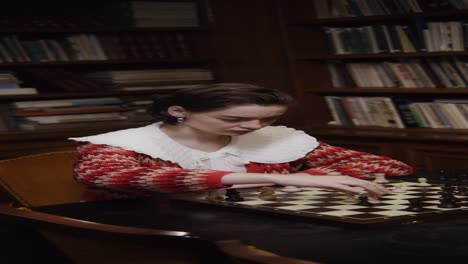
column 272, row 144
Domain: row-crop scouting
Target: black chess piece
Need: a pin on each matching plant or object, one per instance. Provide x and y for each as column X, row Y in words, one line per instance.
column 461, row 190
column 232, row 195
column 448, row 201
column 364, row 201
column 463, row 177
column 415, row 205
column 442, row 175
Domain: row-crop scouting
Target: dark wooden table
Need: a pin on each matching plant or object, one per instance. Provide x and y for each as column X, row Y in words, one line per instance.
column 441, row 241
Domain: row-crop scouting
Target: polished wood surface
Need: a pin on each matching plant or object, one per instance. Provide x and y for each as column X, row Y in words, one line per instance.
column 92, row 242
column 439, row 239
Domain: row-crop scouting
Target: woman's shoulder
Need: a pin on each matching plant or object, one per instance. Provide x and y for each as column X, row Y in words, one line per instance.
column 275, row 144
column 144, row 140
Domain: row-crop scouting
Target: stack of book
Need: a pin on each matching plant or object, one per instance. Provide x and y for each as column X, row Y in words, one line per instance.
column 68, row 113
column 150, row 77
column 10, row 85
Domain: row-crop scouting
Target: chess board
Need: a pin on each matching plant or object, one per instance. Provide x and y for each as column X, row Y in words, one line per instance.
column 331, row 206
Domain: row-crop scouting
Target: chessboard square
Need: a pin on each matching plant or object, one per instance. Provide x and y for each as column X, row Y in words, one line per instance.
column 255, row 202
column 432, row 201
column 394, row 213
column 313, row 192
column 345, row 207
column 296, row 207
column 405, row 196
column 393, row 201
column 294, row 201
column 435, row 207
column 341, row 213
column 433, row 197
column 304, row 197
column 393, row 206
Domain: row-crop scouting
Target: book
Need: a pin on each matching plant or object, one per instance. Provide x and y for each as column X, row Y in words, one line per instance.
column 67, row 102
column 18, row 91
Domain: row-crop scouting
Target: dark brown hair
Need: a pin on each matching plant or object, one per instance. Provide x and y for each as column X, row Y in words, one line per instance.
column 211, row 97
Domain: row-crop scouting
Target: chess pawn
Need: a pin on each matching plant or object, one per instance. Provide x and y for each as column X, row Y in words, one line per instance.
column 214, row 195
column 268, row 197
column 380, row 178
column 398, row 189
column 423, row 182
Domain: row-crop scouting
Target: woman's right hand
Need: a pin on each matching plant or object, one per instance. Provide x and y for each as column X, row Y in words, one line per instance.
column 345, row 184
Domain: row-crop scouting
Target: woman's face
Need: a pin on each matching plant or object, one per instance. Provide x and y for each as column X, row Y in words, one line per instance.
column 235, row 120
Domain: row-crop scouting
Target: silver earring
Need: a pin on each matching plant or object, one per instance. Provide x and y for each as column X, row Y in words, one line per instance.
column 180, row 119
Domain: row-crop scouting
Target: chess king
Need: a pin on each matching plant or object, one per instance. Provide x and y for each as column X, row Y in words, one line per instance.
column 215, row 136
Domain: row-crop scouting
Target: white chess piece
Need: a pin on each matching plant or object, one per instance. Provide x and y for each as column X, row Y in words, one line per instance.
column 398, row 189
column 423, row 182
column 380, row 178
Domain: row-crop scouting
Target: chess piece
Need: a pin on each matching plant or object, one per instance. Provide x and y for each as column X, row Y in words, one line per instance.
column 214, row 195
column 232, row 195
column 423, row 182
column 291, row 189
column 398, row 189
column 380, row 178
column 442, row 175
column 415, row 205
column 364, row 201
column 448, row 200
column 267, row 194
column 461, row 190
column 350, row 199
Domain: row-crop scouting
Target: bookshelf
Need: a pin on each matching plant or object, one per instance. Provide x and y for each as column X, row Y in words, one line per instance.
column 79, row 50
column 330, row 62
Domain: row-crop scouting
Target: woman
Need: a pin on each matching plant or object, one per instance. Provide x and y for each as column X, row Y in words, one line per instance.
column 219, row 135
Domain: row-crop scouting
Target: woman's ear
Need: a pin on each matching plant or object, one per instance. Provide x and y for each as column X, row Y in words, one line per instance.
column 177, row 111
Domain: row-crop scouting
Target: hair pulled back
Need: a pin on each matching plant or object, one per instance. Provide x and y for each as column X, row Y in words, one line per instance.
column 211, row 97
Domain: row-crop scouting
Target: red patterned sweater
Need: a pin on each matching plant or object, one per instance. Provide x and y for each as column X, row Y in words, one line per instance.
column 117, row 169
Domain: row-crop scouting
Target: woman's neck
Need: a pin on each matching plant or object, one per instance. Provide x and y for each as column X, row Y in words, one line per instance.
column 194, row 138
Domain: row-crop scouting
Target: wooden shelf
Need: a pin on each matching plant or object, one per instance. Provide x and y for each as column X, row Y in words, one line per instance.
column 380, row 56
column 380, row 91
column 60, row 29
column 169, row 61
column 382, row 19
column 410, row 134
column 24, row 135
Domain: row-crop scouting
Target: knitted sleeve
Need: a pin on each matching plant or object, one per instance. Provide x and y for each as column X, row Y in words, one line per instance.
column 326, row 158
column 126, row 171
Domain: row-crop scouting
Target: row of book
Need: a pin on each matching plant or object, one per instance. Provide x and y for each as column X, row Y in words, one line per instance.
column 419, row 36
column 81, row 112
column 79, row 47
column 425, row 73
column 75, row 113
column 398, row 112
column 91, row 13
column 352, row 8
column 124, row 78
column 47, row 80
